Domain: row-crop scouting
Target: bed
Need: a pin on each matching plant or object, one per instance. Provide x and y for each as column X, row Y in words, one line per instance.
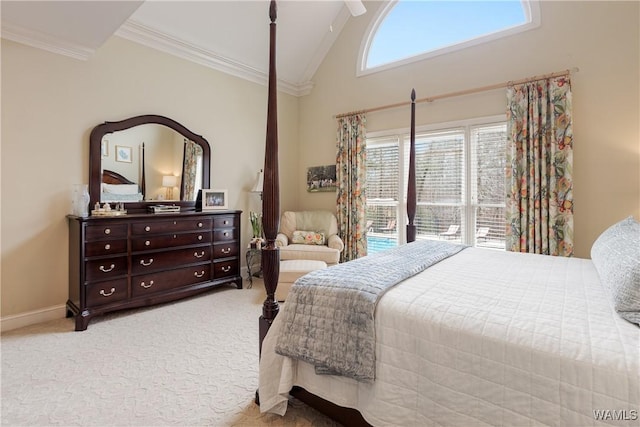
column 117, row 188
column 477, row 337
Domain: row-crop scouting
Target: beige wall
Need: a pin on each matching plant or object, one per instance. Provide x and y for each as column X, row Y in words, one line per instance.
column 600, row 38
column 50, row 103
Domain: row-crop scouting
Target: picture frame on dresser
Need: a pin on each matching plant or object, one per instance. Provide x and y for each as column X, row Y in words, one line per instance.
column 214, row 199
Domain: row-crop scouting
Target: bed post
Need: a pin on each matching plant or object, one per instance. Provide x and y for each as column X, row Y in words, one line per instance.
column 411, row 188
column 271, row 192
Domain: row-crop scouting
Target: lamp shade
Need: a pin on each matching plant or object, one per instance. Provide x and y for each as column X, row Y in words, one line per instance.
column 259, row 183
column 169, row 181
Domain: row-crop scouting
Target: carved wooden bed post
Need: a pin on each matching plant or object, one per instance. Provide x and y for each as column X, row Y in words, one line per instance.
column 271, row 192
column 411, row 188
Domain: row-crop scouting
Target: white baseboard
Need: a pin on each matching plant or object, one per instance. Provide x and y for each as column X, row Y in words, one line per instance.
column 32, row 317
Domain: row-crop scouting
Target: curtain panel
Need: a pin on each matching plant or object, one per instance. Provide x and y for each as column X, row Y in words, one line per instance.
column 192, row 153
column 539, row 202
column 351, row 177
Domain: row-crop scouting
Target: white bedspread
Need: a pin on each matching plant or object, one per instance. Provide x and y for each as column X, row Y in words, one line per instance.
column 486, row 338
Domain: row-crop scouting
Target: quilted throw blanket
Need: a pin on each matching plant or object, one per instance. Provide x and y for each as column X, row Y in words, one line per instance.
column 329, row 313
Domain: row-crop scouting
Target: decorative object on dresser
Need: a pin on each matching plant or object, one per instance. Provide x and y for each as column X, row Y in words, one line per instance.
column 214, row 199
column 143, row 259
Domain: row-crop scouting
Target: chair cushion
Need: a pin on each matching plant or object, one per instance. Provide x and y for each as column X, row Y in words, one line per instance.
column 310, row 252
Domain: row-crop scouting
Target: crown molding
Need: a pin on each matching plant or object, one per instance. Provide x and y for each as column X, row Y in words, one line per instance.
column 147, row 36
column 46, row 42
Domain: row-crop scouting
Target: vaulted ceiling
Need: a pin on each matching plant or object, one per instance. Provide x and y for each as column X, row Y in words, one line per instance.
column 230, row 36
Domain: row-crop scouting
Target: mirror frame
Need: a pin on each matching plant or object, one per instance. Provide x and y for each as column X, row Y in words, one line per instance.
column 95, row 156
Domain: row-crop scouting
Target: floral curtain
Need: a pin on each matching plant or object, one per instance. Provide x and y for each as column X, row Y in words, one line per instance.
column 351, row 175
column 539, row 203
column 192, row 153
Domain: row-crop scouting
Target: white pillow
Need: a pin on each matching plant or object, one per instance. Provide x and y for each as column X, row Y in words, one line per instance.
column 616, row 256
column 120, row 188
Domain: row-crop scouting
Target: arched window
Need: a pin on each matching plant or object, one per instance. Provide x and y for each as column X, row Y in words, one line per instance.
column 408, row 30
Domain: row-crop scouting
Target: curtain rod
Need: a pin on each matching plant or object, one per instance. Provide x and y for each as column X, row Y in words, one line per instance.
column 463, row 92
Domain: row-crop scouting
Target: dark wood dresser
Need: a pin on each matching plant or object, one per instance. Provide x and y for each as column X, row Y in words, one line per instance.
column 143, row 259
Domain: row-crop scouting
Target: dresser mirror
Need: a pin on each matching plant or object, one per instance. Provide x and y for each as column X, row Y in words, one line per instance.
column 146, row 160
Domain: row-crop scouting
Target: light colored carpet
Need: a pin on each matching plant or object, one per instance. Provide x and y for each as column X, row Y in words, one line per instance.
column 189, row 363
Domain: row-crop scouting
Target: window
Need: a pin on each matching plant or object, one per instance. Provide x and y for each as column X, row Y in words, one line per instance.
column 407, row 31
column 460, row 185
column 383, row 193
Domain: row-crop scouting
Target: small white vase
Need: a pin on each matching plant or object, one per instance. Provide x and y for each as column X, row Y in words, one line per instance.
column 80, row 200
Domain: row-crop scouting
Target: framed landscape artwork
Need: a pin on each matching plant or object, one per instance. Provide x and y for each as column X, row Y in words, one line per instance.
column 321, row 178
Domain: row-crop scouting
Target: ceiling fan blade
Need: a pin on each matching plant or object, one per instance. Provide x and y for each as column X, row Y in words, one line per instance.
column 355, row 7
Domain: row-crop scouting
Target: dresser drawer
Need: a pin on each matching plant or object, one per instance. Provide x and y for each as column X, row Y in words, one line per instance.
column 170, row 226
column 170, row 240
column 162, row 260
column 106, row 292
column 224, row 235
column 155, row 282
column 105, row 247
column 97, row 232
column 224, row 221
column 223, row 269
column 105, row 269
column 225, row 250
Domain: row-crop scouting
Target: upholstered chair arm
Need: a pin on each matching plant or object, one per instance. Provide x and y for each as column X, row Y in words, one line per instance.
column 335, row 242
column 282, row 240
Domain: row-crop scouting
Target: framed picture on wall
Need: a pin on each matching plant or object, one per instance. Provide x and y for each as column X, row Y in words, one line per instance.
column 214, row 199
column 104, row 148
column 321, row 178
column 123, row 154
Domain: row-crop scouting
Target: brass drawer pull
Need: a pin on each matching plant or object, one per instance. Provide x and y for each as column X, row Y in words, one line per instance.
column 107, row 247
column 200, row 255
column 147, row 243
column 226, row 251
column 225, row 234
column 200, row 237
column 198, row 275
column 107, row 231
column 147, row 228
column 146, row 263
column 144, row 285
column 226, row 269
column 225, row 222
column 104, row 294
column 106, row 270
column 200, row 224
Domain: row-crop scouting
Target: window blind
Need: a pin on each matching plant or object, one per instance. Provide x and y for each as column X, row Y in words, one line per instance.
column 488, row 163
column 382, row 193
column 460, row 184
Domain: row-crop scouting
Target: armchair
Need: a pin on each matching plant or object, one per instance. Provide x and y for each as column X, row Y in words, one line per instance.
column 299, row 237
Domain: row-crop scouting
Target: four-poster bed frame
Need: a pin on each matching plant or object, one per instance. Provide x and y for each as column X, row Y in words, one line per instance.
column 271, row 224
column 458, row 343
